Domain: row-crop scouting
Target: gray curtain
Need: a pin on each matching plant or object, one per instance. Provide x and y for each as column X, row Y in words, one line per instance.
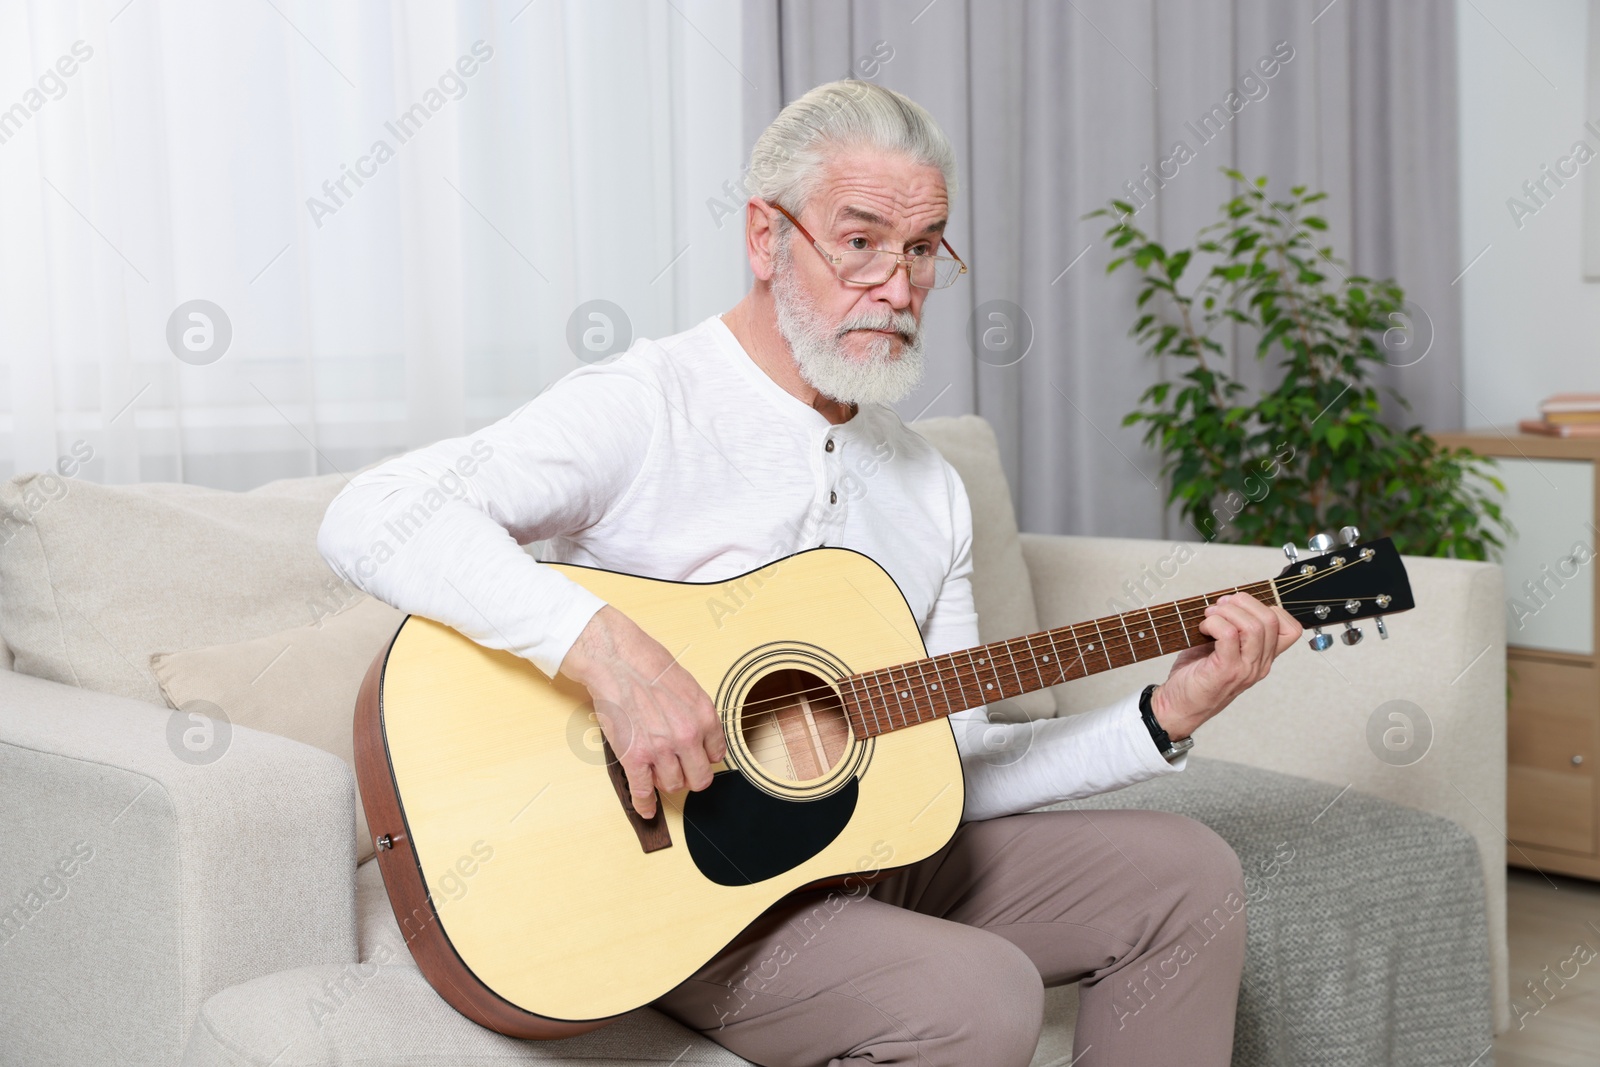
column 1054, row 106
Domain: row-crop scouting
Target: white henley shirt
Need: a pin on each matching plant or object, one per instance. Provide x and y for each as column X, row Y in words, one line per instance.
column 681, row 459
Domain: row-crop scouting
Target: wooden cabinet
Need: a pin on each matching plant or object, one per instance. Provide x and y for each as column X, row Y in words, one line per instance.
column 1553, row 720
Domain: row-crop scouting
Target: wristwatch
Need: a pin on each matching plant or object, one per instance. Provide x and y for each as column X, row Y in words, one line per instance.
column 1169, row 749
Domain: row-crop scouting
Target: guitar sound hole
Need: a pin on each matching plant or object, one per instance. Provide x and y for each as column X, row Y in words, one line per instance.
column 794, row 725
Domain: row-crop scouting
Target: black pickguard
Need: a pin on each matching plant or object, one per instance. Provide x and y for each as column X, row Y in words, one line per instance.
column 739, row 834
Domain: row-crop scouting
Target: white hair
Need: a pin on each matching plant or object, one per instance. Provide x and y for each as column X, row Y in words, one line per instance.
column 786, row 163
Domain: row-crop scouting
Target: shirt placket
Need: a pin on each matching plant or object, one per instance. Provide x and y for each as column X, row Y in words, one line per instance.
column 831, row 500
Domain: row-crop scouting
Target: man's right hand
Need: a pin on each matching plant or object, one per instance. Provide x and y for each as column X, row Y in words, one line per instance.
column 661, row 724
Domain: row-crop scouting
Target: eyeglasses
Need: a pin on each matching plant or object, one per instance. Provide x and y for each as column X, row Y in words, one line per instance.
column 874, row 266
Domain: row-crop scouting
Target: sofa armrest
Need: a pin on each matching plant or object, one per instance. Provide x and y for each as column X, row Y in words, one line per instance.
column 1312, row 715
column 137, row 883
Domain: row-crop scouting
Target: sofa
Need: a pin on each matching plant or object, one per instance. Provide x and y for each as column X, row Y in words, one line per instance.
column 163, row 907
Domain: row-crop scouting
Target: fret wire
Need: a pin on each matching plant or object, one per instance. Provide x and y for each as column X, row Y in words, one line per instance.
column 1050, row 635
column 1037, row 666
column 850, row 683
column 906, row 694
column 880, row 700
column 964, row 674
column 1155, row 631
column 1038, row 669
column 858, row 685
column 947, row 660
column 1079, row 642
column 975, row 676
column 1007, row 646
column 870, row 702
column 1123, row 619
column 900, row 696
column 999, row 682
column 866, row 688
column 939, row 684
column 916, row 702
column 1066, row 664
column 1102, row 639
column 944, row 690
column 883, row 680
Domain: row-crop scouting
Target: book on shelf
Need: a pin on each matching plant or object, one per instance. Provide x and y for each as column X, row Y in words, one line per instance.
column 1560, row 429
column 1560, row 406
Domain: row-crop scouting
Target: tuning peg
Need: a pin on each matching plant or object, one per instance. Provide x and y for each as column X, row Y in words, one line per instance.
column 1320, row 542
column 1351, row 635
column 1349, row 535
column 1321, row 642
column 1292, row 552
column 1383, row 631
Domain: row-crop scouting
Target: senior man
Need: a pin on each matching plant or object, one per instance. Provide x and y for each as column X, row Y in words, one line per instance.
column 709, row 453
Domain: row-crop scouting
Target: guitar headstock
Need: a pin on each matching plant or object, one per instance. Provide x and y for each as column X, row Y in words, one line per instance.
column 1352, row 580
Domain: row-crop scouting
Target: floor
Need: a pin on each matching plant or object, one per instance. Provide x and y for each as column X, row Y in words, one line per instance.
column 1554, row 928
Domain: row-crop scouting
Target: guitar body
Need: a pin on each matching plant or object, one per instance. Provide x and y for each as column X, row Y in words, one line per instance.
column 529, row 897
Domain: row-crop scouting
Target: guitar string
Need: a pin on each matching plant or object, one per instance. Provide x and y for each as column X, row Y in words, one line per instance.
column 868, row 683
column 1160, row 630
column 764, row 752
column 760, row 752
column 867, row 677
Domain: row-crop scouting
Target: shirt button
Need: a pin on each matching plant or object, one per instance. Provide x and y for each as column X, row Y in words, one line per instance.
column 833, row 498
column 829, row 446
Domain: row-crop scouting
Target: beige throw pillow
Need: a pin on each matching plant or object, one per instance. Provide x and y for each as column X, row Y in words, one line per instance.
column 300, row 683
column 1002, row 592
column 94, row 579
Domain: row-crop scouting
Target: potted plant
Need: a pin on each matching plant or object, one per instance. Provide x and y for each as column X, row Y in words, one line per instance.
column 1311, row 453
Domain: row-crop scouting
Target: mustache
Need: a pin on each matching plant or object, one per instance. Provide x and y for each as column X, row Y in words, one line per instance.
column 903, row 323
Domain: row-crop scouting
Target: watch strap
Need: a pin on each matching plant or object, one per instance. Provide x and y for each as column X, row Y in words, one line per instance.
column 1169, row 749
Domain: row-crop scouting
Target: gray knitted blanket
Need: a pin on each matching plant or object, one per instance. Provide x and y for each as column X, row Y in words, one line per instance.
column 1368, row 937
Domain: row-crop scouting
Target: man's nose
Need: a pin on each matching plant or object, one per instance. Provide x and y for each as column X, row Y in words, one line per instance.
column 896, row 291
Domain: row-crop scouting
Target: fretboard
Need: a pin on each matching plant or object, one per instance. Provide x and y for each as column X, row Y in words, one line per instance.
column 922, row 690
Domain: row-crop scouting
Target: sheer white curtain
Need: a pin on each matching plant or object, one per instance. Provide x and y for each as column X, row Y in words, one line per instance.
column 397, row 209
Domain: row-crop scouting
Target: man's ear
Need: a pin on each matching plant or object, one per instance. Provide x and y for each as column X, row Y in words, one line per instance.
column 760, row 238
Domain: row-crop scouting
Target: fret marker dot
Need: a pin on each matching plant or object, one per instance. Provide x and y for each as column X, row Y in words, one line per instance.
column 934, row 687
column 1047, row 659
column 1091, row 648
column 989, row 686
column 980, row 661
column 1141, row 633
column 906, row 693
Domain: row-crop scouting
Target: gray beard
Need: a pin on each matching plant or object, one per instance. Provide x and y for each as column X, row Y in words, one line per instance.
column 819, row 352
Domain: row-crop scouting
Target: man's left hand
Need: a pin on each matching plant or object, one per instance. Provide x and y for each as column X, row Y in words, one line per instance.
column 1247, row 636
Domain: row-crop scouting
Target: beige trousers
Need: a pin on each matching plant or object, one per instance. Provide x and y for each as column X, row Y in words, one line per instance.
column 944, row 963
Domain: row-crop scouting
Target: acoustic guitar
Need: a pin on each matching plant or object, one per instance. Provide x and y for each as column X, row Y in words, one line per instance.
column 539, row 904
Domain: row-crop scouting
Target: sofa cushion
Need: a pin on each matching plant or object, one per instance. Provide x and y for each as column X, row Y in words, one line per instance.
column 300, row 683
column 382, row 1010
column 1001, row 589
column 95, row 579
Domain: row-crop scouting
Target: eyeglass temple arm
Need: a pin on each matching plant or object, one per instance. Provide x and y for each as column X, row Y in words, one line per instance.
column 946, row 243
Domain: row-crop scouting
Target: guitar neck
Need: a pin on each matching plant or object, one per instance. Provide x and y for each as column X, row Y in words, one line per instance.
column 906, row 694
